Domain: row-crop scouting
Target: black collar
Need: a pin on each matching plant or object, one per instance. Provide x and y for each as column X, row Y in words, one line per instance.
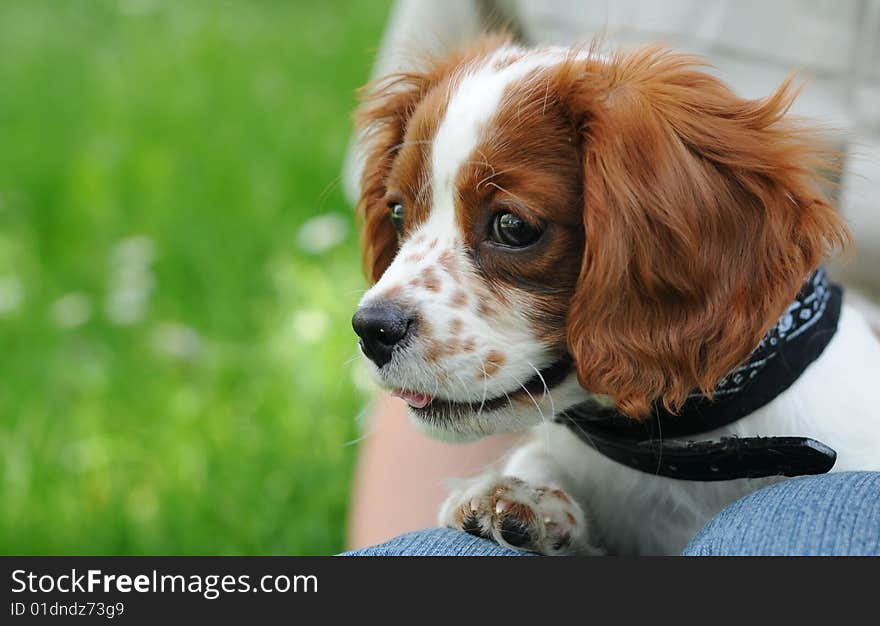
column 654, row 445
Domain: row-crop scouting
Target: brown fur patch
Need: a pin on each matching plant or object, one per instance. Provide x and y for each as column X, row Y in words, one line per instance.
column 521, row 512
column 561, row 495
column 424, row 327
column 493, row 362
column 431, row 281
column 448, row 262
column 459, row 299
column 392, row 292
column 507, row 60
column 433, row 353
column 436, row 350
column 455, row 326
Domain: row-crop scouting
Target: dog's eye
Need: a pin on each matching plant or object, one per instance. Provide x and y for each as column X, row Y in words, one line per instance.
column 397, row 213
column 509, row 229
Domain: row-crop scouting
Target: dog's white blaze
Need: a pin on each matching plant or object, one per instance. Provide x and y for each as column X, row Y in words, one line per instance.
column 475, row 102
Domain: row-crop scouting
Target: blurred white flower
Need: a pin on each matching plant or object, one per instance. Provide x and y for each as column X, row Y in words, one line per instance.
column 11, row 294
column 322, row 233
column 71, row 310
column 131, row 280
column 310, row 325
column 126, row 305
column 177, row 341
column 136, row 250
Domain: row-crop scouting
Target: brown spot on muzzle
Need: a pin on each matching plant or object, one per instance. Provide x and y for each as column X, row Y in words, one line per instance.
column 448, row 262
column 431, row 281
column 455, row 326
column 392, row 292
column 459, row 299
column 494, row 361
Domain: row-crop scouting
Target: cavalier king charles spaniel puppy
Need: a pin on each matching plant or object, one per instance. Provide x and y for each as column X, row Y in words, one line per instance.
column 617, row 252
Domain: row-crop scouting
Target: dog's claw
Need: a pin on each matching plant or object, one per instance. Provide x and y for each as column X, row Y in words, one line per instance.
column 515, row 532
column 471, row 525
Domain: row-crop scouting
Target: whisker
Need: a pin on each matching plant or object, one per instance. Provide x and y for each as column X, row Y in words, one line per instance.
column 546, row 95
column 356, row 440
column 426, row 184
column 398, row 146
column 535, row 402
column 348, row 362
column 500, row 188
column 485, row 387
column 574, row 424
column 325, row 193
column 546, row 394
column 543, row 382
column 494, row 174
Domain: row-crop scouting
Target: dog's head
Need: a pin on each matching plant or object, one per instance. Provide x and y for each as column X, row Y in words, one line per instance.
column 545, row 224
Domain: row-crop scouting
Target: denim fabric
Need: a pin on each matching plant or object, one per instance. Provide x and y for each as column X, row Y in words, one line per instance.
column 437, row 542
column 832, row 514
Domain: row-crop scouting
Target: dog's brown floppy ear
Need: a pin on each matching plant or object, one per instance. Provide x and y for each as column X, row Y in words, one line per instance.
column 703, row 216
column 386, row 107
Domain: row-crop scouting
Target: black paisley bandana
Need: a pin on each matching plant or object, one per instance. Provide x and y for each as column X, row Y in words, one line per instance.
column 659, row 444
column 806, row 312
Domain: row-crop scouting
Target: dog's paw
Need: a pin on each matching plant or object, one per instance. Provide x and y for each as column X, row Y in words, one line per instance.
column 513, row 513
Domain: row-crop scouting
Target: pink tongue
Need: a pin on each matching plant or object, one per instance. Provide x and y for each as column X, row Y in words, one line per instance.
column 415, row 400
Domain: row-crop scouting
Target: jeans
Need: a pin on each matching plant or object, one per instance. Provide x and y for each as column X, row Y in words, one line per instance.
column 832, row 514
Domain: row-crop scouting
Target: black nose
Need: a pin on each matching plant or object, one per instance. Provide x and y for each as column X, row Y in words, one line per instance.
column 381, row 327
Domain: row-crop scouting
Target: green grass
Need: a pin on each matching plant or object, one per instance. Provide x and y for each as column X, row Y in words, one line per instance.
column 175, row 372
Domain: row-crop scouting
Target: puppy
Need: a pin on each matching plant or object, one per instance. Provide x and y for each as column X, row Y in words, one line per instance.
column 622, row 254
